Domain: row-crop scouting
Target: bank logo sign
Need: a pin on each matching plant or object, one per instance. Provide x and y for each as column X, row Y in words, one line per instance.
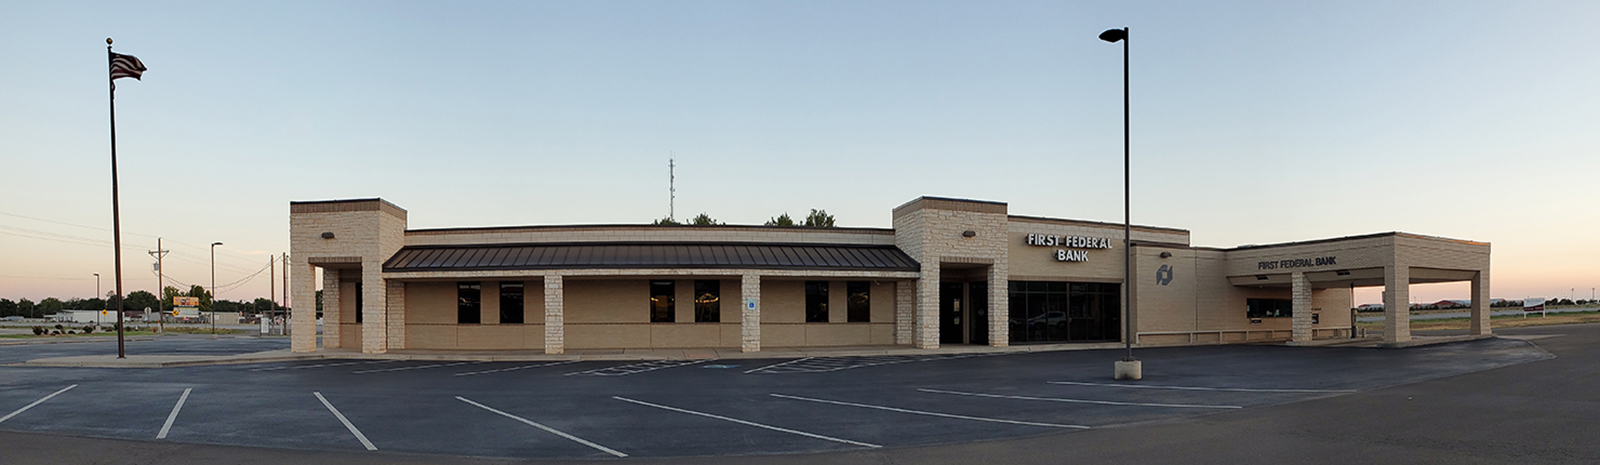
column 1065, row 244
column 1164, row 275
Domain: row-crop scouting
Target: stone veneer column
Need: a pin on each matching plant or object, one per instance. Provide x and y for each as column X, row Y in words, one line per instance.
column 999, row 307
column 905, row 305
column 303, row 305
column 927, row 319
column 330, row 308
column 750, row 318
column 1480, row 303
column 397, row 314
column 1397, row 303
column 1300, row 292
column 555, row 334
column 374, row 309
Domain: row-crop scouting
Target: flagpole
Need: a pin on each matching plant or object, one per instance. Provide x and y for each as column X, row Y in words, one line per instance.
column 116, row 213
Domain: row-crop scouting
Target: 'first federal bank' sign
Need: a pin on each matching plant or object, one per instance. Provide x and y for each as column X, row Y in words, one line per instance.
column 1064, row 254
column 1297, row 263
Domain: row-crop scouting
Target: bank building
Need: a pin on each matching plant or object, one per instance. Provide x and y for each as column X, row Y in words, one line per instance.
column 949, row 272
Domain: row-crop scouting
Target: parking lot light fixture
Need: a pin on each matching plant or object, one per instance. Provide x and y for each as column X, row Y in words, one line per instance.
column 1128, row 367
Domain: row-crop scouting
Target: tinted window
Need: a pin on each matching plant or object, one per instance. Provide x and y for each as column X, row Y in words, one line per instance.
column 358, row 301
column 661, row 293
column 816, row 301
column 511, row 302
column 1269, row 308
column 858, row 301
column 707, row 301
column 469, row 302
column 1064, row 312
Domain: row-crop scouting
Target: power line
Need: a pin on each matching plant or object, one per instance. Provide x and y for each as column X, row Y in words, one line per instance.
column 226, row 255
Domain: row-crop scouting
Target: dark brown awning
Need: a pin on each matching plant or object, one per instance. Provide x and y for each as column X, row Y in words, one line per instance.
column 836, row 257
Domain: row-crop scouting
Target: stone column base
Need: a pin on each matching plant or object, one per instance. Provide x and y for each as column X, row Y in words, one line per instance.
column 1129, row 370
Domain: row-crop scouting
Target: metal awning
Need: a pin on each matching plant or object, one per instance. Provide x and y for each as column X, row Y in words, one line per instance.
column 837, row 257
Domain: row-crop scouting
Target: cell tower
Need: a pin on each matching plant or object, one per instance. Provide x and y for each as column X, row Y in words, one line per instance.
column 672, row 189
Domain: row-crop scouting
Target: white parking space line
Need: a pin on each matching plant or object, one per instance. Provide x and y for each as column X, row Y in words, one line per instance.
column 1081, row 401
column 37, row 402
column 779, row 364
column 321, row 365
column 635, row 368
column 346, row 422
column 524, row 367
column 547, row 429
column 174, row 415
column 420, row 367
column 1199, row 388
column 748, row 423
column 931, row 414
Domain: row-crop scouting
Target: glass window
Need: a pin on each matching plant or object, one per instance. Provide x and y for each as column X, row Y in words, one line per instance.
column 858, row 301
column 358, row 301
column 1064, row 312
column 511, row 302
column 1269, row 308
column 469, row 302
column 707, row 301
column 816, row 301
column 661, row 293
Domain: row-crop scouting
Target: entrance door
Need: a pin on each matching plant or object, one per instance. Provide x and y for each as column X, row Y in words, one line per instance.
column 952, row 313
column 978, row 308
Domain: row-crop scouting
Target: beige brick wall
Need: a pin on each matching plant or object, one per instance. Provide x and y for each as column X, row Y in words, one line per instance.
column 365, row 233
column 931, row 231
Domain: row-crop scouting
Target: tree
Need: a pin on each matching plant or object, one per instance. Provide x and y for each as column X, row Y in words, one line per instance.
column 26, row 308
column 819, row 219
column 8, row 308
column 781, row 220
column 51, row 305
column 203, row 294
column 666, row 221
column 140, row 300
column 704, row 220
column 262, row 304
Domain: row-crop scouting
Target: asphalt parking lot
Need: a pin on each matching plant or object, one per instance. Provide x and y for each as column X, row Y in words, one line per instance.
column 599, row 410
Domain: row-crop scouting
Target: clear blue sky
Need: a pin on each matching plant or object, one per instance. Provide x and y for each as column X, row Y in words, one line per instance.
column 1253, row 122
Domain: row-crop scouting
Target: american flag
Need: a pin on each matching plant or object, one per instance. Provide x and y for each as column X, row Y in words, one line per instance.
column 123, row 66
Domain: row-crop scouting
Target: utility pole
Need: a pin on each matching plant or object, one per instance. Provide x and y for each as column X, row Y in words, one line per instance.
column 286, row 298
column 272, row 289
column 161, row 287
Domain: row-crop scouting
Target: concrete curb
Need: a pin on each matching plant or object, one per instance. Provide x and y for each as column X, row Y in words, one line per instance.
column 74, row 339
column 175, row 361
column 1434, row 341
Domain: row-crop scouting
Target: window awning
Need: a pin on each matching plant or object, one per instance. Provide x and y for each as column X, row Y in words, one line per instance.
column 654, row 255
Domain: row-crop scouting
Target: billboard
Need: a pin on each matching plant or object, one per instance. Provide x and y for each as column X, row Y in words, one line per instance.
column 1533, row 304
column 181, row 301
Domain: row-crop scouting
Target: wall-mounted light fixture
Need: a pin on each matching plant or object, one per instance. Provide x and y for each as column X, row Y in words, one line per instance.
column 969, row 233
column 327, row 235
column 1166, row 254
column 1261, row 277
column 1342, row 272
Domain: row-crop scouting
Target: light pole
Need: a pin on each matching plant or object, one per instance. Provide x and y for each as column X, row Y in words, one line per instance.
column 1128, row 367
column 214, row 289
column 97, row 296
